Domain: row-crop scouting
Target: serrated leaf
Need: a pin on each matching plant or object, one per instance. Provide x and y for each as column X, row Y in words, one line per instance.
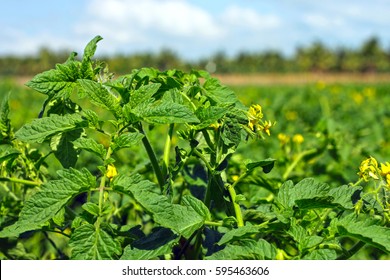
column 321, row 254
column 209, row 115
column 86, row 68
column 343, row 195
column 7, row 152
column 284, row 194
column 5, row 122
column 40, row 129
column 100, row 96
column 143, row 94
column 158, row 243
column 164, row 112
column 231, row 132
column 266, row 164
column 218, row 94
column 91, row 117
column 90, row 145
column 64, row 150
column 238, row 234
column 44, row 205
column 182, row 219
column 197, row 205
column 304, row 240
column 366, row 229
column 91, row 208
column 59, row 82
column 310, row 194
column 93, row 243
column 246, row 250
column 126, row 140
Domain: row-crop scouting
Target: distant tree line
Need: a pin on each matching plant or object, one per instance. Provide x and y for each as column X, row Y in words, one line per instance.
column 317, row 57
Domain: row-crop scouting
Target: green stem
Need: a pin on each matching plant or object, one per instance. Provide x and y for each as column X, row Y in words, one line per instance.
column 348, row 254
column 213, row 224
column 153, row 159
column 167, row 150
column 20, row 181
column 205, row 161
column 236, row 206
column 103, row 183
column 300, row 156
column 188, row 99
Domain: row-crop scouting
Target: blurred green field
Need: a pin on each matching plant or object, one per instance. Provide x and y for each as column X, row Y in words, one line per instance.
column 355, row 118
column 344, row 122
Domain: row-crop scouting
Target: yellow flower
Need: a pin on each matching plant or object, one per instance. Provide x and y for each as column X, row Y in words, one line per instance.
column 235, row 178
column 283, row 138
column 266, row 126
column 111, row 171
column 385, row 172
column 298, row 138
column 255, row 114
column 368, row 169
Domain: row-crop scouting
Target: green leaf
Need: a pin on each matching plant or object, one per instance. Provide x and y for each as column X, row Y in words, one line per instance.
column 91, row 146
column 310, row 194
column 126, row 140
column 321, row 254
column 238, row 234
column 197, row 205
column 59, row 82
column 158, row 243
column 91, row 208
column 247, row 249
column 182, row 219
column 266, row 164
column 209, row 115
column 218, row 94
column 143, row 94
column 94, row 243
column 365, row 229
column 86, row 64
column 343, row 195
column 5, row 122
column 7, row 152
column 40, row 129
column 63, row 148
column 44, row 205
column 284, row 194
column 100, row 96
column 164, row 112
column 304, row 240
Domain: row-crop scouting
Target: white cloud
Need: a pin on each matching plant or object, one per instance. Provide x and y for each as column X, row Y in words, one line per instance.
column 323, row 21
column 248, row 18
column 128, row 21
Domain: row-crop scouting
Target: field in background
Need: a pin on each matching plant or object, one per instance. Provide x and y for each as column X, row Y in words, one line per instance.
column 303, row 78
column 350, row 110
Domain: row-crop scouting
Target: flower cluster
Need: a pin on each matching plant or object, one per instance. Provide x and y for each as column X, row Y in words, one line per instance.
column 370, row 169
column 256, row 123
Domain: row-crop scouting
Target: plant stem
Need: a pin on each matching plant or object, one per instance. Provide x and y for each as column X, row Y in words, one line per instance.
column 296, row 161
column 153, row 159
column 213, row 224
column 236, row 206
column 167, row 149
column 103, row 183
column 205, row 161
column 347, row 254
column 20, row 181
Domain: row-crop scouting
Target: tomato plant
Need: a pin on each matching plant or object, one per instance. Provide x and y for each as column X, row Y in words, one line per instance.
column 146, row 167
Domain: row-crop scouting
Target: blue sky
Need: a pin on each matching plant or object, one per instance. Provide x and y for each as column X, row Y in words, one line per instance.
column 193, row 29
